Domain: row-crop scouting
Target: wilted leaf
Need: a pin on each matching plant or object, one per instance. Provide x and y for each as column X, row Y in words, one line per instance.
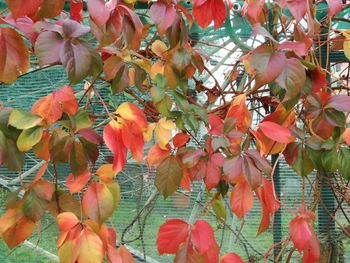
column 168, row 176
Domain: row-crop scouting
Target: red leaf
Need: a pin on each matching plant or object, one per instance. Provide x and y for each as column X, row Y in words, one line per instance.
column 24, row 24
column 276, row 132
column 335, row 6
column 300, row 232
column 299, row 48
column 268, row 65
column 180, row 139
column 233, row 169
column 340, row 102
column 255, row 11
column 207, row 11
column 311, row 250
column 163, row 15
column 91, row 136
column 76, row 10
column 296, row 7
column 213, row 175
column 241, row 200
column 202, row 236
column 186, row 180
column 319, row 80
column 216, row 125
column 269, row 205
column 171, row 235
column 231, row 258
column 20, row 8
column 76, row 183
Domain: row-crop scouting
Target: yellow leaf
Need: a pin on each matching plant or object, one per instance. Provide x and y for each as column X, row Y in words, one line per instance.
column 91, row 247
column 163, row 132
column 147, row 135
column 157, row 68
column 159, row 48
column 106, row 173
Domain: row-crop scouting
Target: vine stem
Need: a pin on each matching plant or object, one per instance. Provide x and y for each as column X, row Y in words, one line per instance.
column 56, row 188
column 273, row 246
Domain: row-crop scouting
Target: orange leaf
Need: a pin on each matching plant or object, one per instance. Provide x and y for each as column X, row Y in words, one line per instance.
column 156, row 155
column 41, row 172
column 14, row 56
column 113, row 138
column 106, row 173
column 48, row 108
column 76, row 183
column 241, row 200
column 66, row 221
column 41, row 149
column 239, row 111
column 19, row 232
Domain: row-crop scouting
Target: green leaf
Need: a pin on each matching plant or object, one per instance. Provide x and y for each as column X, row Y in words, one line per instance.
column 14, row 159
column 12, row 198
column 3, row 147
column 77, row 161
column 28, row 138
column 330, row 161
column 303, row 165
column 335, row 118
column 168, row 176
column 23, row 120
column 157, row 94
column 219, row 210
column 181, row 101
column 344, row 162
column 60, row 146
column 81, row 120
column 164, row 106
column 33, row 206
